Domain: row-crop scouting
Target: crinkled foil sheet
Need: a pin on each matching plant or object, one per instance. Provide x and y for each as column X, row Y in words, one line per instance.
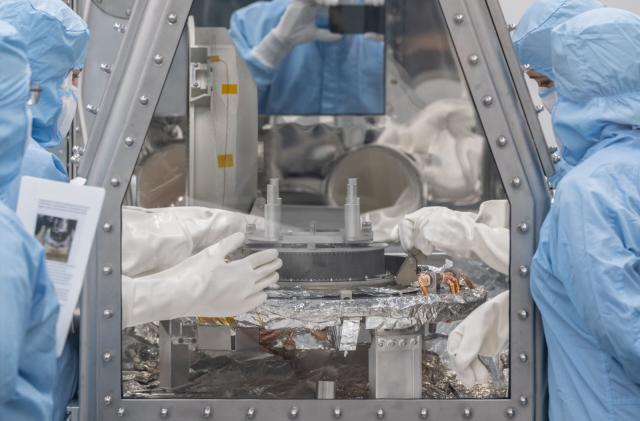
column 391, row 312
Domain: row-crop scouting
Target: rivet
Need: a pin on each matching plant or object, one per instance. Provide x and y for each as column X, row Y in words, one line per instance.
column 115, row 182
column 107, row 313
column 164, row 413
column 524, row 401
column 121, row 412
column 144, row 100
column 107, row 270
column 105, row 67
column 459, row 18
column 107, row 400
column 251, row 412
column 106, row 357
column 158, row 59
column 512, row 27
column 524, row 270
column 337, row 413
column 539, row 108
column 474, row 59
column 172, row 18
column 523, row 227
column 380, row 413
column 523, row 358
column 516, row 182
column 293, row 413
column 424, row 413
column 467, row 413
column 487, row 100
column 107, row 227
column 523, row 314
column 129, row 141
column 502, row 141
column 92, row 109
column 510, row 413
column 206, row 412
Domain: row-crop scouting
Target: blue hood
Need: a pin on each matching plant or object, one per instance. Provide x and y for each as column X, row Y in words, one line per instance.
column 14, row 95
column 56, row 39
column 596, row 60
column 532, row 37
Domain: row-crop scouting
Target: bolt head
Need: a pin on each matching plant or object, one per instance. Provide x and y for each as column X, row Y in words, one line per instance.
column 107, row 313
column 158, row 59
column 523, row 314
column 467, row 413
column 251, row 412
column 523, row 227
column 487, row 100
column 129, row 141
column 172, row 18
column 424, row 413
column 380, row 343
column 524, row 270
column 115, row 182
column 107, row 227
column 516, row 182
column 107, row 400
column 293, row 413
column 106, row 357
column 92, row 108
column 107, row 270
column 474, row 59
column 121, row 412
column 206, row 412
column 380, row 413
column 502, row 141
column 164, row 413
column 524, row 401
column 144, row 100
column 510, row 413
column 337, row 413
column 539, row 108
column 512, row 27
column 403, row 343
column 523, row 358
column 459, row 18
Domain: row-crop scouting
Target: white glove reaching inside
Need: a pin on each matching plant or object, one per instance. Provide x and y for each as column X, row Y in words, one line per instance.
column 466, row 235
column 156, row 239
column 202, row 285
column 297, row 26
column 484, row 333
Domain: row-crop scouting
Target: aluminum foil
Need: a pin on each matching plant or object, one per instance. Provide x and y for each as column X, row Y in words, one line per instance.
column 402, row 312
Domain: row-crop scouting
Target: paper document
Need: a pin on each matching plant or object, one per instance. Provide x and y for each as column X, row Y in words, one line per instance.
column 63, row 217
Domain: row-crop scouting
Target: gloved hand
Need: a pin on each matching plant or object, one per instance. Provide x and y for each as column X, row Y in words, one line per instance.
column 156, row 239
column 297, row 26
column 460, row 234
column 484, row 333
column 202, row 285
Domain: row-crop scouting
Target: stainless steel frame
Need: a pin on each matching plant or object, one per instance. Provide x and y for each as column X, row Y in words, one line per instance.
column 481, row 39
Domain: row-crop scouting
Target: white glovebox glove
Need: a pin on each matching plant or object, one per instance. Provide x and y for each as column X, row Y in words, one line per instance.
column 297, row 26
column 484, row 333
column 156, row 239
column 449, row 152
column 465, row 235
column 202, row 285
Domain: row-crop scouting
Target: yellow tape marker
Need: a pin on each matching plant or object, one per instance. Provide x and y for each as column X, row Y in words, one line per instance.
column 229, row 89
column 214, row 58
column 225, row 161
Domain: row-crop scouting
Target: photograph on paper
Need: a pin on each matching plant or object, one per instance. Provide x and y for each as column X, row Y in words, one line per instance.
column 56, row 236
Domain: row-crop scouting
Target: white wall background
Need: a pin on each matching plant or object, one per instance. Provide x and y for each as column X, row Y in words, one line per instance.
column 513, row 11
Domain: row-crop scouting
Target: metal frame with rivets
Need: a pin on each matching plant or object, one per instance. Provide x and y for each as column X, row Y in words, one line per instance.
column 495, row 81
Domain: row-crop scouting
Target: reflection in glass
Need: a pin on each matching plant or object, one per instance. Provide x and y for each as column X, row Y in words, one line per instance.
column 355, row 316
